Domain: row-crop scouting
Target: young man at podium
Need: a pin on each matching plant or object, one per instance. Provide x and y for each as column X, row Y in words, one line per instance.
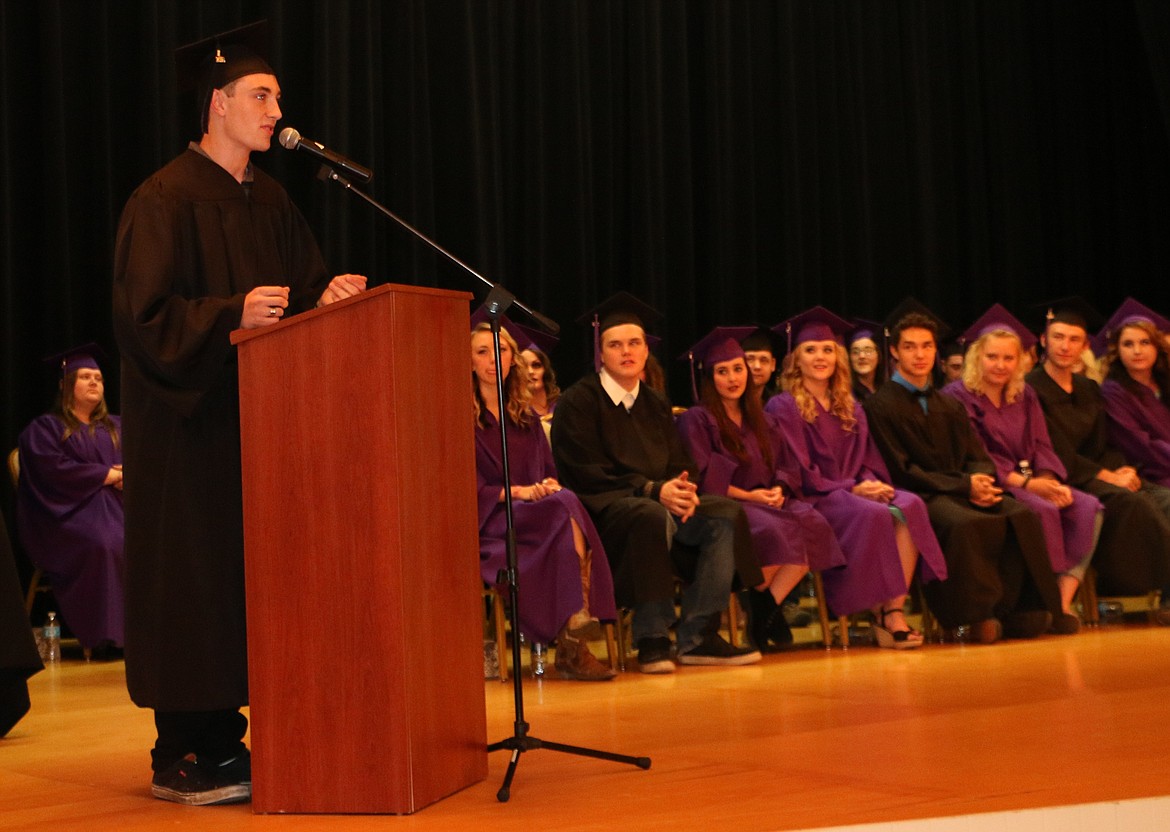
column 206, row 245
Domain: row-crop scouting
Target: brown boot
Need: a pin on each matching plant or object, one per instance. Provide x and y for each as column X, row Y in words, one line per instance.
column 574, row 661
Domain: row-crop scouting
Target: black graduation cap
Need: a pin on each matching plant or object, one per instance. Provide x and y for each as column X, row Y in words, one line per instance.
column 910, row 305
column 84, row 356
column 214, row 62
column 1074, row 311
column 761, row 339
column 618, row 309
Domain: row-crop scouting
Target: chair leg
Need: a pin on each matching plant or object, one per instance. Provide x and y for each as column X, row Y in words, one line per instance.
column 611, row 648
column 622, row 635
column 500, row 622
column 1089, row 601
column 843, row 626
column 733, row 620
column 822, row 610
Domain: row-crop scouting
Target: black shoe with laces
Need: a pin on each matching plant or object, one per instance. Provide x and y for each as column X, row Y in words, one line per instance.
column 714, row 650
column 192, row 782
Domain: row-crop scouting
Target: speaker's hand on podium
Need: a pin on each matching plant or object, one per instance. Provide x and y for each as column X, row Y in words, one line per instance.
column 264, row 306
column 341, row 287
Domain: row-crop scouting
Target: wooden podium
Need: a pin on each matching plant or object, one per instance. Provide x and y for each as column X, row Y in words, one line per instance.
column 362, row 555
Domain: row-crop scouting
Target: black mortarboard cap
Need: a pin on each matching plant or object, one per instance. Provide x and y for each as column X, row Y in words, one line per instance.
column 214, row 62
column 618, row 309
column 761, row 339
column 1074, row 311
column 910, row 305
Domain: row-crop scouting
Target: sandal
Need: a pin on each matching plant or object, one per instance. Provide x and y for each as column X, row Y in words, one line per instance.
column 895, row 639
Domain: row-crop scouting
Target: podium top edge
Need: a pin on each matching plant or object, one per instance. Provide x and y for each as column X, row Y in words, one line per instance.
column 238, row 336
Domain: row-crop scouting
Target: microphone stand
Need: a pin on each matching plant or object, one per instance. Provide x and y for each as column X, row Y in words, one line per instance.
column 498, row 301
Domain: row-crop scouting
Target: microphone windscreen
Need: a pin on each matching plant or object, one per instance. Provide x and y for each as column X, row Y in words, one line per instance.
column 290, row 138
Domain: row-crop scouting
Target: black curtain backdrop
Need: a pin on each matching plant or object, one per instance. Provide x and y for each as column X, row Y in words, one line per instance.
column 730, row 162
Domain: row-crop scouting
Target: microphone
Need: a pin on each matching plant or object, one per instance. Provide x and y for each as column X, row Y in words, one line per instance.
column 291, row 139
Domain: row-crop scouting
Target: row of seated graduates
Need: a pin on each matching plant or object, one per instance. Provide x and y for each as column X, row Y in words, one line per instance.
column 862, row 344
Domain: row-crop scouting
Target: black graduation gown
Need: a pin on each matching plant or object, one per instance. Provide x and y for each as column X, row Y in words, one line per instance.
column 191, row 243
column 607, row 455
column 996, row 559
column 1133, row 553
column 18, row 650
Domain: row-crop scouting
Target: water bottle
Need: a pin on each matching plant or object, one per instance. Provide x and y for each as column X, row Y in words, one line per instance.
column 51, row 638
column 539, row 654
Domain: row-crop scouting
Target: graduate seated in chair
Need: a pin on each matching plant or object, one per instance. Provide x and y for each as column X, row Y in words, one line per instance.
column 1133, row 554
column 884, row 531
column 741, row 454
column 615, row 444
column 999, row 579
column 69, row 502
column 564, row 576
column 1006, row 415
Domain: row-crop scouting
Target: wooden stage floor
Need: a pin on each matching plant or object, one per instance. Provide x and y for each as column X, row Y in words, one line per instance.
column 803, row 740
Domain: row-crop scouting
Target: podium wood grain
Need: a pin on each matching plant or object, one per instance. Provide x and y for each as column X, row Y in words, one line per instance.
column 362, row 556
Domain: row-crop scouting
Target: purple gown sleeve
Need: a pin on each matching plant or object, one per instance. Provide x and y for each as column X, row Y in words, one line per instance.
column 56, row 479
column 1133, row 431
column 700, row 437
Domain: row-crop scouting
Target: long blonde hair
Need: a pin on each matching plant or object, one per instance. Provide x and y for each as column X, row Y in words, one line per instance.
column 840, row 390
column 973, row 366
column 516, row 389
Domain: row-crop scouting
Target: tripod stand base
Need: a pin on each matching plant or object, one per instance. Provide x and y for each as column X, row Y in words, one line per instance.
column 519, row 744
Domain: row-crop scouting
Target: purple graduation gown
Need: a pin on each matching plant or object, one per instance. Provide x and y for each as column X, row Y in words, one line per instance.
column 832, row 461
column 71, row 524
column 793, row 533
column 1017, row 431
column 1139, row 427
column 550, row 571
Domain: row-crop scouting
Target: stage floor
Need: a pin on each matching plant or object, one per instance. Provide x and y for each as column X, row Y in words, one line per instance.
column 804, row 740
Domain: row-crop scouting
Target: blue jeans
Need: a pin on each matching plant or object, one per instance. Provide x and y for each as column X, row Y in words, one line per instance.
column 706, row 595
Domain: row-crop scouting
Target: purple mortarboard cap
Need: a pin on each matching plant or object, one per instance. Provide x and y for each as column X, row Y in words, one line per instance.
column 1074, row 311
column 998, row 318
column 85, row 356
column 1132, row 311
column 530, row 338
column 720, row 344
column 618, row 309
column 480, row 316
column 865, row 328
column 912, row 305
column 214, row 62
column 816, row 324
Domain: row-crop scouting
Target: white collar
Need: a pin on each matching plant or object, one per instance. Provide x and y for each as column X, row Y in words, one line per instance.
column 617, row 393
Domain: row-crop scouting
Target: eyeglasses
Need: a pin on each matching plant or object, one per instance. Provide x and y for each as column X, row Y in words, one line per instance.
column 863, row 351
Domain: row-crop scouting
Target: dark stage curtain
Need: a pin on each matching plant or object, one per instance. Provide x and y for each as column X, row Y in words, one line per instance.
column 730, row 162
